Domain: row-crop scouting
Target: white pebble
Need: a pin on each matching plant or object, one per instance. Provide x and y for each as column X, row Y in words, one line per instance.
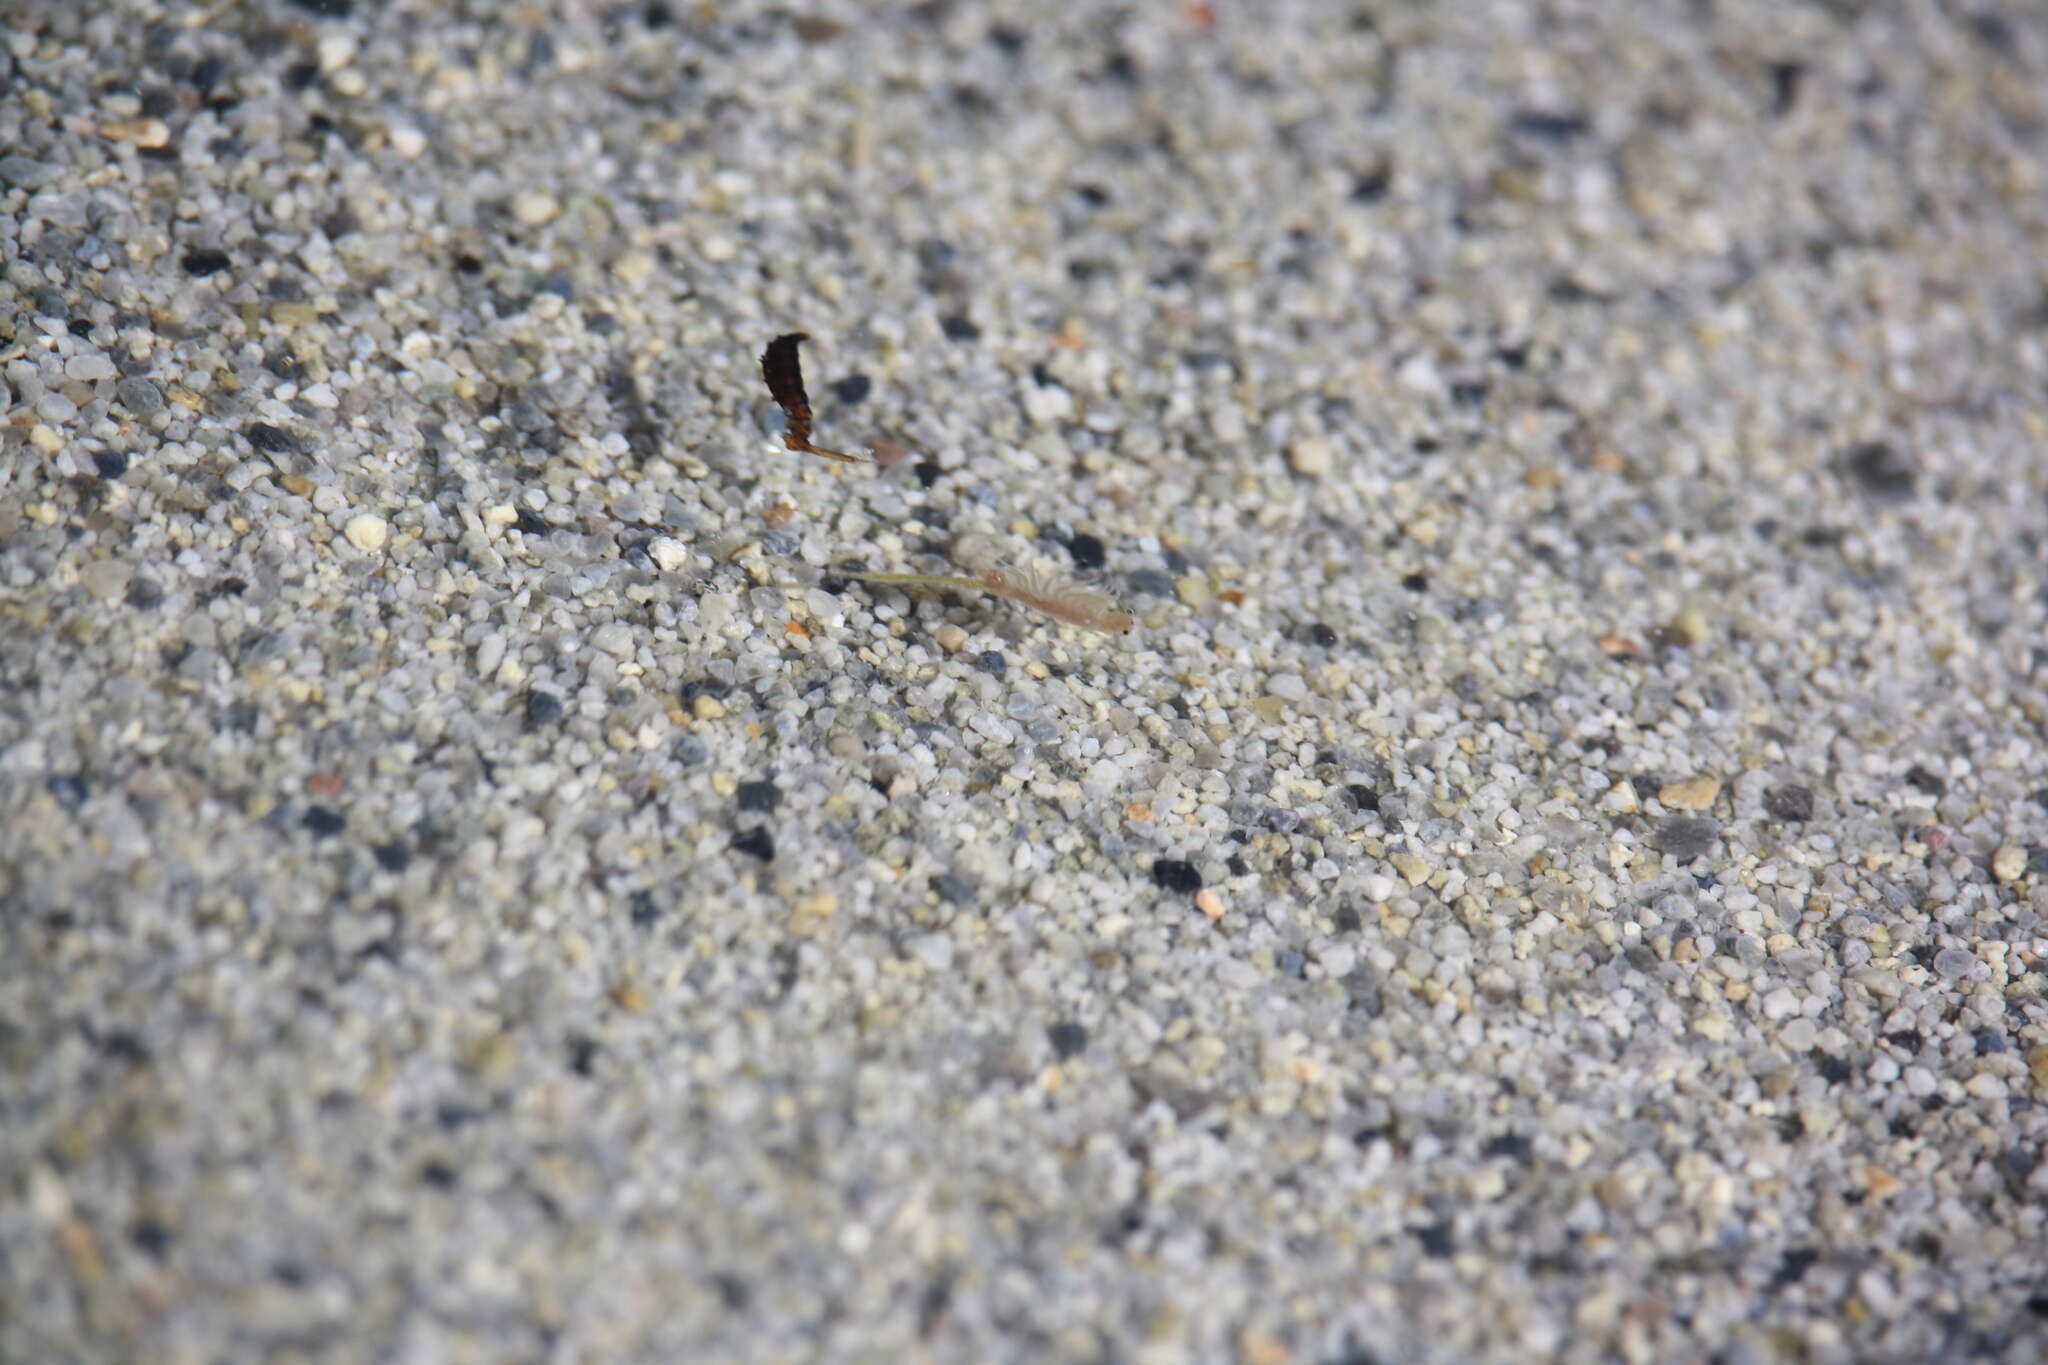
column 614, row 638
column 367, row 532
column 668, row 553
column 89, row 367
column 1378, row 888
column 534, row 208
column 1310, row 456
column 407, row 140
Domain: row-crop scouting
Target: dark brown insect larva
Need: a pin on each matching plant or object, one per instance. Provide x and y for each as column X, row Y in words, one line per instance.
column 785, row 376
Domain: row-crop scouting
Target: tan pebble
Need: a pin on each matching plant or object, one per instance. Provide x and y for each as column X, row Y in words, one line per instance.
column 1209, row 903
column 950, row 637
column 1310, row 457
column 818, row 903
column 1412, row 869
column 500, row 514
column 1692, row 793
column 45, row 439
column 1138, row 810
column 143, row 132
column 707, row 707
column 1193, row 589
column 2009, row 864
column 2037, row 1067
column 628, row 996
column 1423, row 531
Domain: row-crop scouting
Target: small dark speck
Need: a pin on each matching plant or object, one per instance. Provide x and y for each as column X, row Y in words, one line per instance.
column 1435, row 1240
column 468, row 264
column 393, row 857
column 324, row 822
column 70, row 790
column 1120, row 67
column 852, row 389
column 991, row 662
column 755, row 843
column 1881, row 470
column 300, row 76
column 541, row 708
column 1322, row 636
column 438, row 1174
column 1416, row 582
column 1237, row 866
column 144, row 593
column 582, row 1054
column 2037, row 1304
column 1993, row 30
column 1008, row 41
column 1088, row 551
column 530, row 522
column 1469, row 393
column 1068, row 1039
column 760, row 798
column 643, row 909
column 960, row 327
column 110, row 464
column 80, row 327
column 927, row 472
column 952, row 889
column 1362, row 796
column 1371, row 187
column 1177, row 875
column 1545, row 126
column 205, row 262
column 1346, row 920
column 151, row 1238
column 328, row 9
column 1785, row 78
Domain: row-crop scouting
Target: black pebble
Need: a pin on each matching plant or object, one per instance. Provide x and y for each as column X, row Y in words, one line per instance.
column 328, row 9
column 960, row 327
column 991, row 662
column 1989, row 1041
column 927, row 472
column 204, row 262
column 1549, row 127
column 1514, row 1146
column 1346, row 920
column 438, row 1174
column 151, row 1238
column 80, row 327
column 144, row 593
column 541, row 707
column 1416, row 582
column 1791, row 803
column 1088, row 552
column 1068, row 1039
column 759, row 797
column 1881, row 469
column 1834, row 1070
column 393, row 857
column 1237, row 866
column 110, row 464
column 70, row 789
column 1362, row 797
column 582, row 1054
column 1177, row 875
column 953, row 890
column 1151, row 583
column 642, row 909
column 267, row 438
column 324, row 822
column 756, row 842
column 1321, row 635
column 1920, row 779
column 1685, row 837
column 852, row 389
column 1435, row 1239
column 529, row 521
